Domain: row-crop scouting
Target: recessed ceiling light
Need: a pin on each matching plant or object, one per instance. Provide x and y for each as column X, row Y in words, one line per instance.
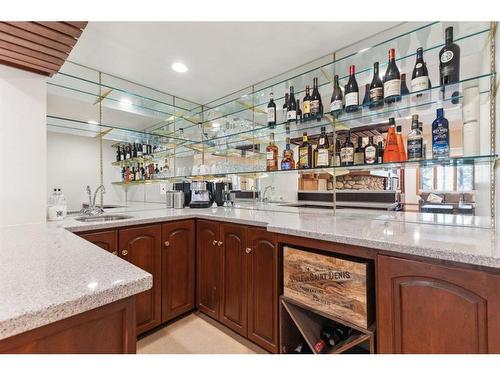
column 92, row 122
column 179, row 67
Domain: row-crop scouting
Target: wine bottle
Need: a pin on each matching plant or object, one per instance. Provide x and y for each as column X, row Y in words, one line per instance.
column 449, row 60
column 323, row 150
column 415, row 142
column 380, row 152
column 298, row 117
column 352, row 92
column 306, row 105
column 347, row 151
column 370, row 151
column 336, row 158
column 118, row 154
column 291, row 113
column 134, row 150
column 271, row 112
column 366, row 97
column 420, row 75
column 337, row 101
column 315, row 101
column 140, row 153
column 285, row 108
column 440, row 135
column 305, row 153
column 359, row 153
column 404, row 86
column 376, row 89
column 392, row 80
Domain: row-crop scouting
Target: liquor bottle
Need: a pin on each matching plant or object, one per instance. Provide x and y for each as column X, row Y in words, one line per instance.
column 352, row 92
column 285, row 107
column 376, row 89
column 337, row 101
column 359, row 153
column 140, row 153
column 347, row 151
column 122, row 153
column 127, row 155
column 404, row 86
column 380, row 152
column 127, row 174
column 118, row 154
column 449, row 60
column 366, row 97
column 336, row 153
column 287, row 161
column 134, row 150
column 306, row 105
column 123, row 174
column 440, row 135
column 316, row 101
column 134, row 176
column 401, row 144
column 333, row 334
column 302, row 348
column 420, row 75
column 271, row 112
column 391, row 152
column 291, row 111
column 424, row 142
column 323, row 150
column 370, row 151
column 299, row 113
column 139, row 173
column 305, row 153
column 415, row 141
column 272, row 154
column 319, row 346
column 392, row 79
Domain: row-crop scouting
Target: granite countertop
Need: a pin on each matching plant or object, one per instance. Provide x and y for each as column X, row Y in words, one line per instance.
column 48, row 273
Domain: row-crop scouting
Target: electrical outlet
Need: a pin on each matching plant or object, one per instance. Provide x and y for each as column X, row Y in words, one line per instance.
column 163, row 189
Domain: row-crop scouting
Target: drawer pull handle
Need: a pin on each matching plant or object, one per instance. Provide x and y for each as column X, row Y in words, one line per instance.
column 115, row 252
column 248, row 250
column 214, row 242
column 124, row 252
column 219, row 243
column 167, row 244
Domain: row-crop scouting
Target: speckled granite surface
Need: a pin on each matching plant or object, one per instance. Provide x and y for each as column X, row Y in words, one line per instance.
column 48, row 273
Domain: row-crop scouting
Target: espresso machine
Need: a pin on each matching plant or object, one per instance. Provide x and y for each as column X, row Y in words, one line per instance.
column 201, row 194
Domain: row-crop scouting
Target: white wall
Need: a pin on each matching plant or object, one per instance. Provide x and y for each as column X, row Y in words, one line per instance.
column 23, row 106
column 73, row 163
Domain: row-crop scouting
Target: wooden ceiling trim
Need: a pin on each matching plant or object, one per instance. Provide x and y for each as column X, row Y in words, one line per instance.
column 41, row 47
column 15, row 31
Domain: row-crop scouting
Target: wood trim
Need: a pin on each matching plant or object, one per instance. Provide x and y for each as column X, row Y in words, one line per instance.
column 65, row 336
column 40, row 47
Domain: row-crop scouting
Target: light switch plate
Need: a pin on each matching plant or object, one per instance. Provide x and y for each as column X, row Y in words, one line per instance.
column 163, row 189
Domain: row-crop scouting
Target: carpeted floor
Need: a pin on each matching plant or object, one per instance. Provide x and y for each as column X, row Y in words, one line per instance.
column 196, row 334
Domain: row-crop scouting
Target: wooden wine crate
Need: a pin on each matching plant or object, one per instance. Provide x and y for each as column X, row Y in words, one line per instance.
column 338, row 287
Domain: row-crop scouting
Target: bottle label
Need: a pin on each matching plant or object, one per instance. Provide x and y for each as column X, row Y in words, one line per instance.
column 291, row 115
column 359, row 158
column 347, row 155
column 322, row 156
column 285, row 165
column 270, row 155
column 336, row 105
column 418, row 65
column 315, row 107
column 352, row 98
column 447, row 56
column 271, row 115
column 376, row 94
column 415, row 148
column 419, row 83
column 370, row 155
column 306, row 107
column 440, row 140
column 304, row 157
column 321, row 141
column 392, row 88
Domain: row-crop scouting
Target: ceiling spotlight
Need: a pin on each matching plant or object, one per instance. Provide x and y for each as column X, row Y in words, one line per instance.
column 179, row 67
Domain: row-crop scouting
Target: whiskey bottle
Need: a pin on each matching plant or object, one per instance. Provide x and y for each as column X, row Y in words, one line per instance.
column 306, row 106
column 415, row 142
column 347, row 151
column 323, row 150
column 305, row 153
column 359, row 153
column 287, row 161
column 272, row 155
column 370, row 151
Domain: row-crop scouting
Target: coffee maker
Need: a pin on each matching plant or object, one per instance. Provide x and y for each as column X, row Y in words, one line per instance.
column 201, row 195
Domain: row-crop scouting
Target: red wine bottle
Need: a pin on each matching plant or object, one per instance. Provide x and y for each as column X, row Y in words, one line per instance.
column 352, row 92
column 392, row 80
column 316, row 101
column 298, row 117
column 337, row 101
column 306, row 105
column 271, row 112
column 420, row 75
column 291, row 113
column 376, row 89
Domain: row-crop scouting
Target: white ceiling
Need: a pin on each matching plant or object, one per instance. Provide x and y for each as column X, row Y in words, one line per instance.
column 222, row 57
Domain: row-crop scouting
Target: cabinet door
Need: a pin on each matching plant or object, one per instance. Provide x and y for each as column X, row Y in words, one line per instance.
column 233, row 303
column 426, row 308
column 141, row 246
column 263, row 289
column 108, row 240
column 208, row 265
column 178, row 262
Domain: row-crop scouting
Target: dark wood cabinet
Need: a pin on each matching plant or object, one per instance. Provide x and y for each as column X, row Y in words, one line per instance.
column 428, row 308
column 208, row 264
column 141, row 246
column 263, row 289
column 233, row 303
column 108, row 240
column 178, row 269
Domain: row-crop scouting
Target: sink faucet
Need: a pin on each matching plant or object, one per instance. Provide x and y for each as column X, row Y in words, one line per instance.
column 263, row 197
column 92, row 209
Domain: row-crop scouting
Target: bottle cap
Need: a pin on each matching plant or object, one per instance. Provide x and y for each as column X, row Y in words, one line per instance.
column 391, row 121
column 448, row 34
column 352, row 70
column 392, row 53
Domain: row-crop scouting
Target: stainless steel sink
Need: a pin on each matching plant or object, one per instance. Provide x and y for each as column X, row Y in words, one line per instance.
column 90, row 219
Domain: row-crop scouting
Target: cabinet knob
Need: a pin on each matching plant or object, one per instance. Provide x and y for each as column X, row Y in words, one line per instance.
column 167, row 244
column 214, row 242
column 115, row 252
column 248, row 250
column 124, row 252
column 219, row 243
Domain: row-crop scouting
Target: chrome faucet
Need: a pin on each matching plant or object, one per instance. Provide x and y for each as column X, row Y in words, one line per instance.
column 263, row 197
column 92, row 209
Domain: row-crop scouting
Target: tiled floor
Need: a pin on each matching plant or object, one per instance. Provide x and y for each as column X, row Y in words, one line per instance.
column 196, row 334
